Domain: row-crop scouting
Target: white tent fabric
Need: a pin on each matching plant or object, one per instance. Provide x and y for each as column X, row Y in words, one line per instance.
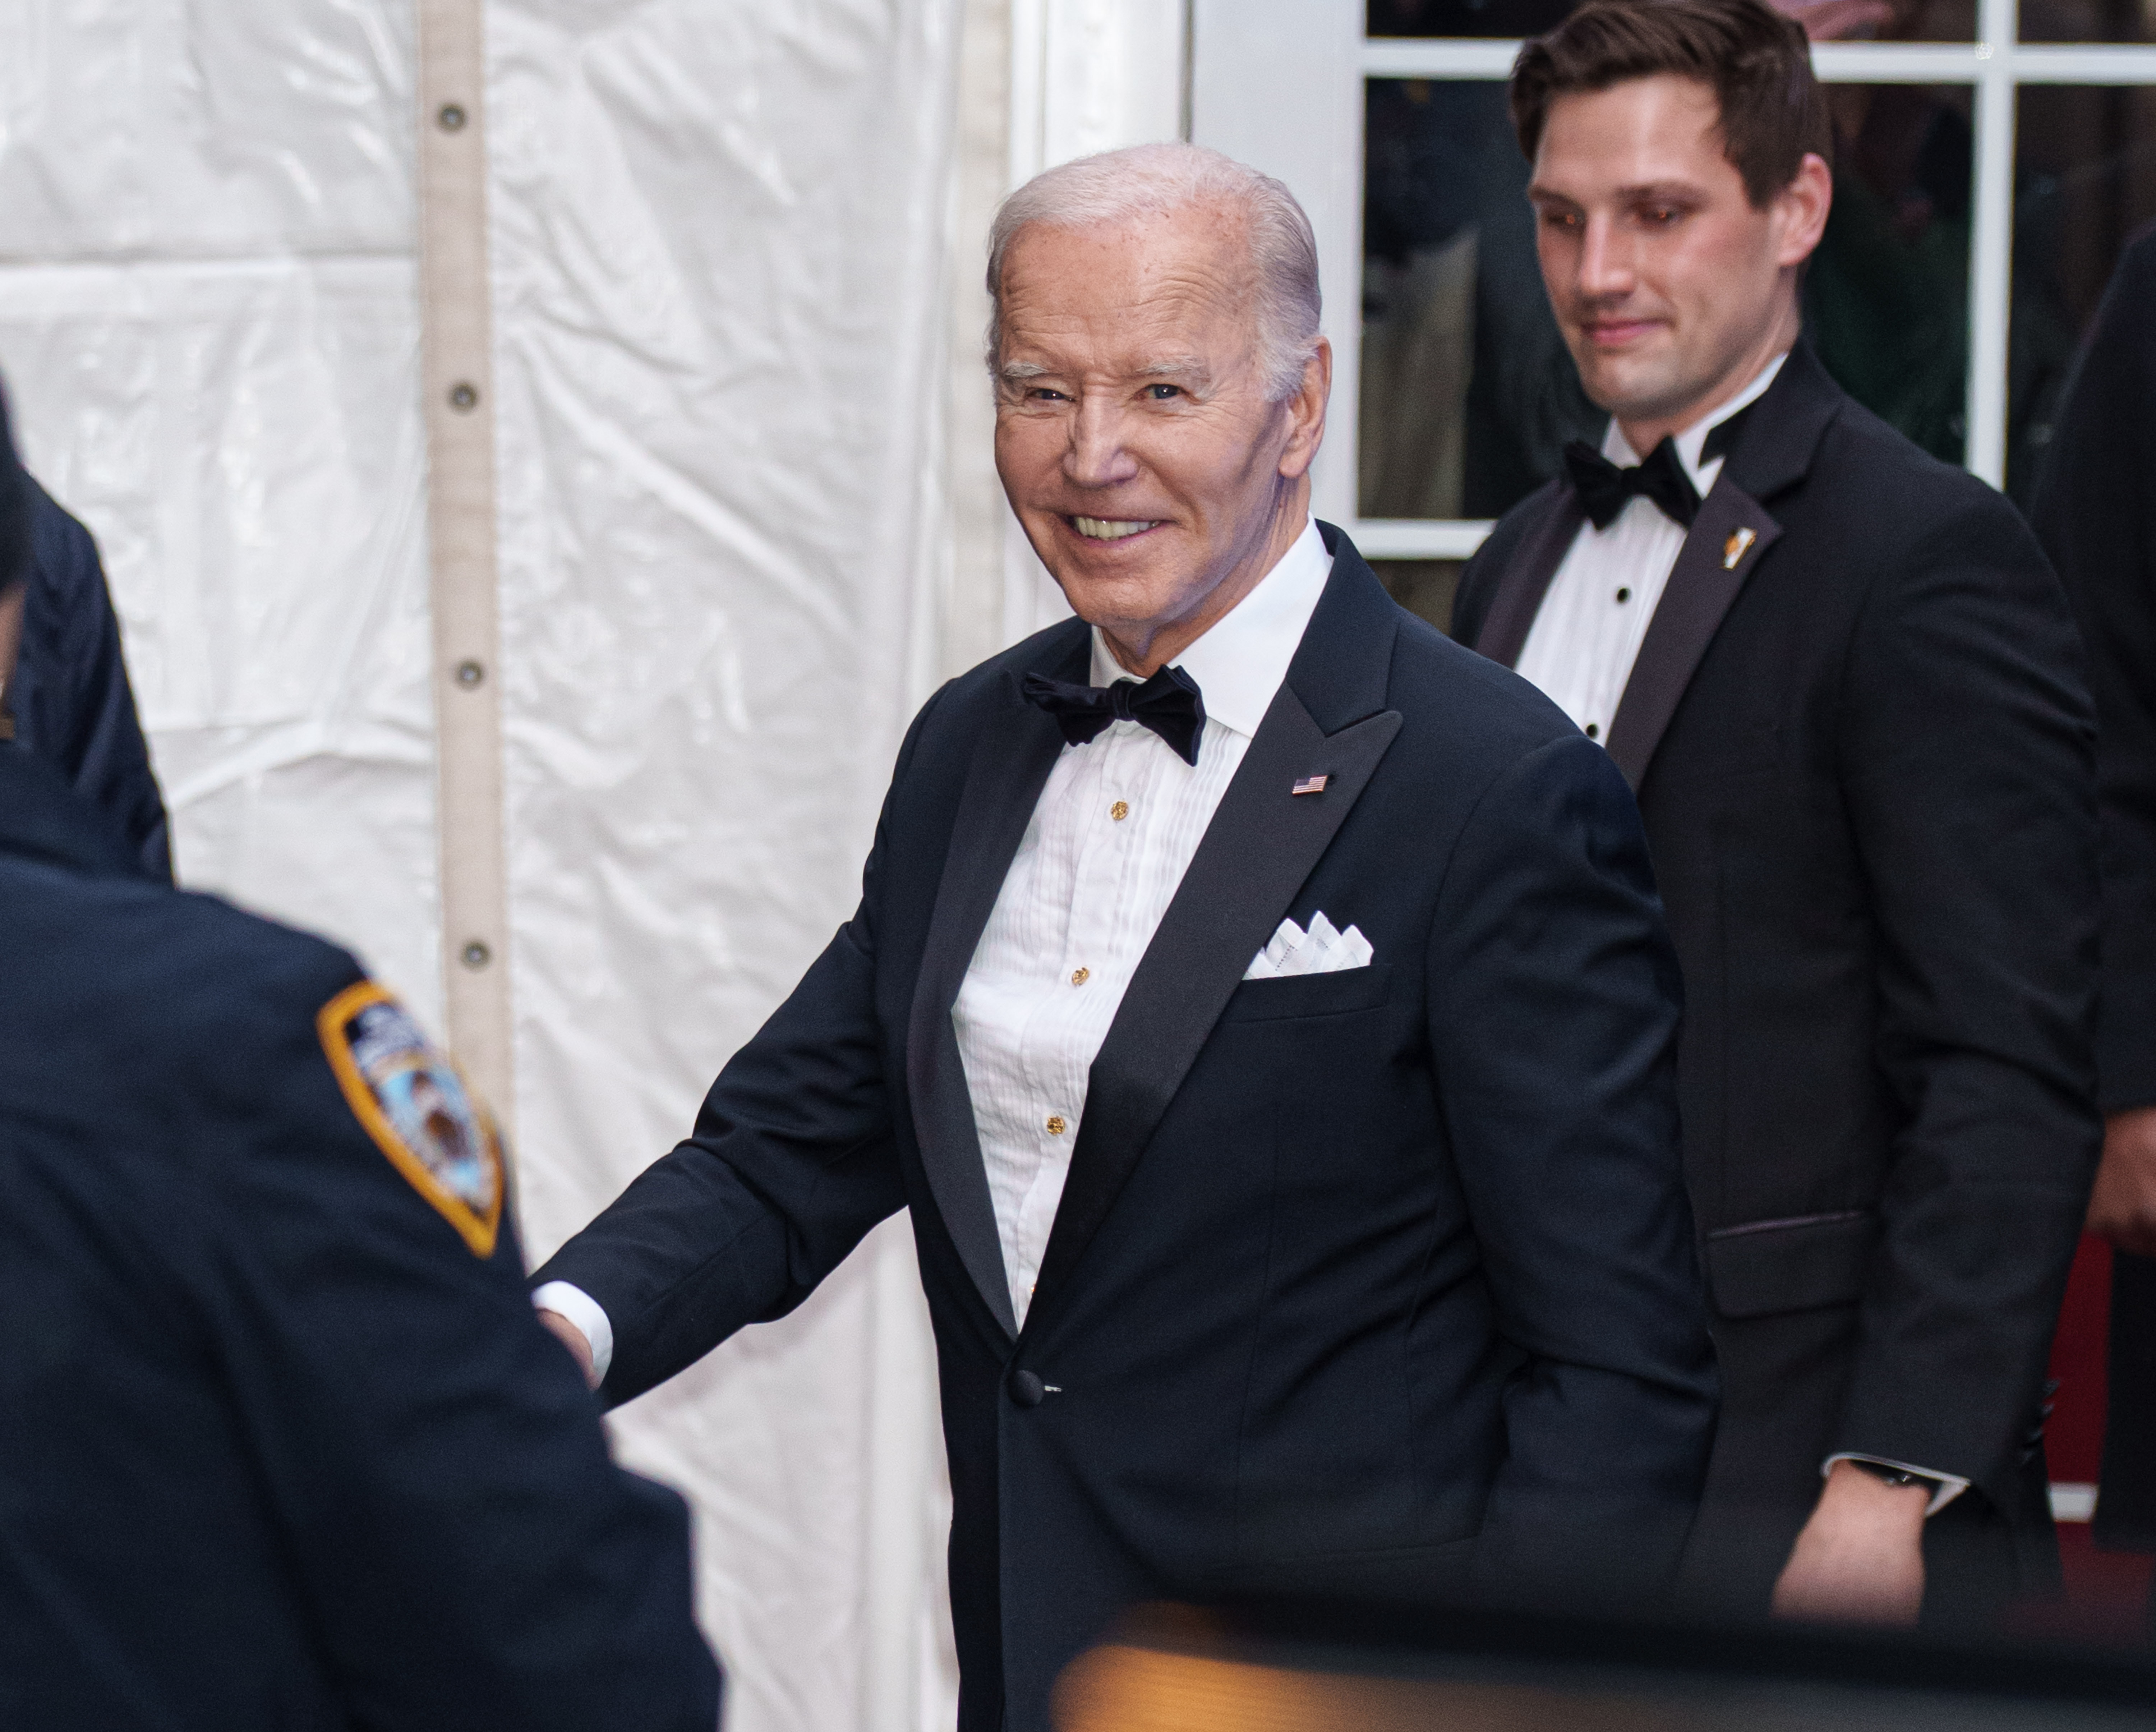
column 208, row 323
column 735, row 257
column 719, row 235
column 719, row 248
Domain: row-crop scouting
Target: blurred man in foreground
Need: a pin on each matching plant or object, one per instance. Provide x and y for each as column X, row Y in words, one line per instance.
column 280, row 1444
column 1845, row 686
column 1260, row 1003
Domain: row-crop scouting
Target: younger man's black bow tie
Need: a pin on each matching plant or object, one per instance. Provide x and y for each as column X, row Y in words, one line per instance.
column 1604, row 488
column 1168, row 703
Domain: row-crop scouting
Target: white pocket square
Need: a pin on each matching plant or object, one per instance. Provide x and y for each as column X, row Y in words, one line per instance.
column 1320, row 951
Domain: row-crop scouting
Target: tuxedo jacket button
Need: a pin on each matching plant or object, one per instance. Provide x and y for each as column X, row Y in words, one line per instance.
column 1026, row 1390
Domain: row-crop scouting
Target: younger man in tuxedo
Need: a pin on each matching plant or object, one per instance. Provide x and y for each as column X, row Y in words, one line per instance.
column 1845, row 687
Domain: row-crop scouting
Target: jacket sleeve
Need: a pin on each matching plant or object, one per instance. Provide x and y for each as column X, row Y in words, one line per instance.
column 792, row 1159
column 2096, row 514
column 457, row 1534
column 1966, row 745
column 1554, row 1001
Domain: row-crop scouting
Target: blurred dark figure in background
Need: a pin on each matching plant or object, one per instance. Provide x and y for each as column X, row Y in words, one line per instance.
column 2096, row 512
column 1845, row 688
column 281, row 1445
column 64, row 690
column 1887, row 298
column 1466, row 428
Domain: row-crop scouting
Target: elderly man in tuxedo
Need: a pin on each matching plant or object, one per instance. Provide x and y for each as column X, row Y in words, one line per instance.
column 1262, row 1006
column 1847, row 689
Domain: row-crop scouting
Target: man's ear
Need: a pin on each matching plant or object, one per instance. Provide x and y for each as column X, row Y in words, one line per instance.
column 1801, row 209
column 1305, row 414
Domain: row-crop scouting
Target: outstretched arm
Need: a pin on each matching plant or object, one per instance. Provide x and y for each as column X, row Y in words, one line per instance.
column 792, row 1161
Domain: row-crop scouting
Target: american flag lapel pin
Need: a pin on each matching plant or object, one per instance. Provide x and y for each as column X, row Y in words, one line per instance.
column 1736, row 547
column 1311, row 785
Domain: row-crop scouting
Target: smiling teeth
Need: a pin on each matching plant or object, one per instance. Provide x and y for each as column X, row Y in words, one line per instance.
column 1106, row 529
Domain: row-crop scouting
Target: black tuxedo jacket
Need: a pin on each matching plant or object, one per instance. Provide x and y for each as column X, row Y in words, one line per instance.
column 1862, row 746
column 1349, row 1269
column 2096, row 514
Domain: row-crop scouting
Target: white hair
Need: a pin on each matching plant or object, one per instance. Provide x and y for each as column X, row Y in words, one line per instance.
column 1119, row 186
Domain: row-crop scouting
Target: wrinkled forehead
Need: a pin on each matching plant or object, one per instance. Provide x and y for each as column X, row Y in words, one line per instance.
column 1174, row 283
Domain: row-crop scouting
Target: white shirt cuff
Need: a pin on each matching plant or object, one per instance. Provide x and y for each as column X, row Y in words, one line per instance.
column 586, row 1313
column 1948, row 1487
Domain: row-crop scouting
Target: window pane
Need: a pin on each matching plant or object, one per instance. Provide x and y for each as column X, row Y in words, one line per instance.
column 2084, row 180
column 2088, row 20
column 1468, row 394
column 1422, row 586
column 1886, row 297
column 1890, row 20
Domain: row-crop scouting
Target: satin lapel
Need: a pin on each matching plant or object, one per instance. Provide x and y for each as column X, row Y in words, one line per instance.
column 1262, row 844
column 1010, row 765
column 1728, row 539
column 1521, row 589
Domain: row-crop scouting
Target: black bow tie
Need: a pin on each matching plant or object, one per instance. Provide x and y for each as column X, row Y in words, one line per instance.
column 1603, row 489
column 1168, row 703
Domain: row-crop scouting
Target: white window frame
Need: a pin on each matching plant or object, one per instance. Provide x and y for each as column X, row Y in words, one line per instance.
column 1280, row 84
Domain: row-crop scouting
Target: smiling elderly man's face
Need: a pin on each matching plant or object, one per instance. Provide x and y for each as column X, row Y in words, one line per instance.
column 1134, row 433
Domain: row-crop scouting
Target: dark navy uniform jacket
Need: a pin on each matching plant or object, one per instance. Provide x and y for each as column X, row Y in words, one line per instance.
column 69, row 696
column 281, row 1444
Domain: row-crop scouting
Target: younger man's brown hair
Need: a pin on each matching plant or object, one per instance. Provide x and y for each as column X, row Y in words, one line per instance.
column 1757, row 62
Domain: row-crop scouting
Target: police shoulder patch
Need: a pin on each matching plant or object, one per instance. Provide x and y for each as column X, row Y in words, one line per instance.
column 412, row 1102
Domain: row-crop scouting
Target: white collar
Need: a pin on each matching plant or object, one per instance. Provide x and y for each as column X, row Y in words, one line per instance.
column 1692, row 441
column 1239, row 662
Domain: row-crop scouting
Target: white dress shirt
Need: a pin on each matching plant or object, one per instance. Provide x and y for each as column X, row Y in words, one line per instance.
column 1593, row 617
column 1111, row 837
